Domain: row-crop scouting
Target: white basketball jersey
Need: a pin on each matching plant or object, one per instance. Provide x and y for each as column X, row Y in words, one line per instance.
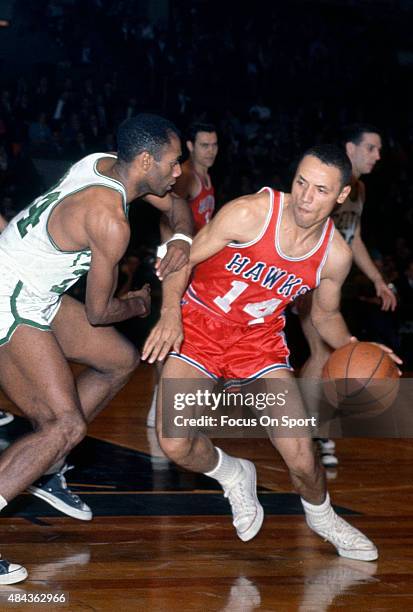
column 26, row 245
column 347, row 216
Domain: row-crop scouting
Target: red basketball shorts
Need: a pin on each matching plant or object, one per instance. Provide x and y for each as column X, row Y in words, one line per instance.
column 222, row 349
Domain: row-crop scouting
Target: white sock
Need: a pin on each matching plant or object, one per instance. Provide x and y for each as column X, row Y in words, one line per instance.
column 3, row 502
column 227, row 468
column 318, row 511
column 56, row 467
column 154, row 397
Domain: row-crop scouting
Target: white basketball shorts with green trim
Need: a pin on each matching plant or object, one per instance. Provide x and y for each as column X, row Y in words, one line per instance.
column 20, row 305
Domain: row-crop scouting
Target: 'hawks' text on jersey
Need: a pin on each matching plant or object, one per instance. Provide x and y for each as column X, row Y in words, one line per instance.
column 252, row 283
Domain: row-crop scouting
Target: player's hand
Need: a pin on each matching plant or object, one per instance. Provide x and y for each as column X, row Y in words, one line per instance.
column 166, row 334
column 176, row 257
column 142, row 298
column 390, row 353
column 383, row 291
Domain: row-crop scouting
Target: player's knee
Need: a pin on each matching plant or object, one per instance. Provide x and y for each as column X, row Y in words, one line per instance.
column 125, row 365
column 176, row 449
column 79, row 430
column 302, row 463
column 303, row 468
column 67, row 430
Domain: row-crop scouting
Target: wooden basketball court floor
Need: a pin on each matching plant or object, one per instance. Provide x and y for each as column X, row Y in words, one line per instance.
column 162, row 539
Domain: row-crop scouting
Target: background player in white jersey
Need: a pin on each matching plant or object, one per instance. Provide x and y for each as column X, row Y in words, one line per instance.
column 363, row 145
column 80, row 226
column 195, row 187
column 256, row 256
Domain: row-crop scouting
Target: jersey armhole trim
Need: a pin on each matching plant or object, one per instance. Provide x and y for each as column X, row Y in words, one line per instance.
column 107, row 178
column 323, row 261
column 52, row 242
column 240, row 245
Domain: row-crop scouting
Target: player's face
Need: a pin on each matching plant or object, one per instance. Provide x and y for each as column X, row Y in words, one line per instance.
column 205, row 148
column 366, row 154
column 315, row 191
column 164, row 172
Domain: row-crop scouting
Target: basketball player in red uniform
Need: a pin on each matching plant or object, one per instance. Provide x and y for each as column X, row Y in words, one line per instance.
column 256, row 256
column 194, row 184
column 363, row 146
column 195, row 187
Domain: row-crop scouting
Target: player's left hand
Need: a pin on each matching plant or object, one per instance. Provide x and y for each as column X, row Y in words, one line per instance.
column 390, row 353
column 176, row 257
column 383, row 291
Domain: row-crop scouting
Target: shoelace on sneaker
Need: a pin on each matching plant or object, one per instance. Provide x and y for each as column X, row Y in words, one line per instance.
column 340, row 532
column 63, row 483
column 238, row 497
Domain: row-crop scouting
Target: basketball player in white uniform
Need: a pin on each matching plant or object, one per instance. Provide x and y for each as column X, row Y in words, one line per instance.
column 79, row 226
column 363, row 146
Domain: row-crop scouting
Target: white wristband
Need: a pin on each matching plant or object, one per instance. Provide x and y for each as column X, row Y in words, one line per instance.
column 162, row 248
column 180, row 237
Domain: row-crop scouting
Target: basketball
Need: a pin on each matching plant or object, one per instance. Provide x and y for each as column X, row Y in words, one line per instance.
column 360, row 379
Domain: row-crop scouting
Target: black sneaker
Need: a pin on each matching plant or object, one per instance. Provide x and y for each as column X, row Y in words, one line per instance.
column 5, row 418
column 10, row 573
column 52, row 488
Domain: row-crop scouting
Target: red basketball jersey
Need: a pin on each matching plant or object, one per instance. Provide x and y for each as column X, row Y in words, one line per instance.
column 203, row 205
column 254, row 282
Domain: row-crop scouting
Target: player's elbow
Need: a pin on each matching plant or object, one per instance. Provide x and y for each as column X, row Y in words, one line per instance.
column 322, row 319
column 95, row 315
column 318, row 318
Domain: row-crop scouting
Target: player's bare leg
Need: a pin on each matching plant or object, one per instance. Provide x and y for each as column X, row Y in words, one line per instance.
column 312, row 369
column 110, row 357
column 41, row 383
column 197, row 453
column 36, row 376
column 308, row 478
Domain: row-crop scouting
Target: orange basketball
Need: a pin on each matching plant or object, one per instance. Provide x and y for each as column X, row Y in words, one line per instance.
column 361, row 379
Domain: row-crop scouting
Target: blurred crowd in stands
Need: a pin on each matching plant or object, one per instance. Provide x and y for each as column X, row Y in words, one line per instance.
column 274, row 80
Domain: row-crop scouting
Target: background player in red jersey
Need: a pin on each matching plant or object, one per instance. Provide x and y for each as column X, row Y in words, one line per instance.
column 363, row 146
column 256, row 256
column 194, row 186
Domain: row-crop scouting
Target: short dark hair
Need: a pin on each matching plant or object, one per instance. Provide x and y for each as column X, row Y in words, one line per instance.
column 198, row 126
column 354, row 132
column 145, row 132
column 332, row 155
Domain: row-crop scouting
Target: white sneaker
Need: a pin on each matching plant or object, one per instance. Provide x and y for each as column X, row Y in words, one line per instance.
column 247, row 511
column 151, row 417
column 348, row 540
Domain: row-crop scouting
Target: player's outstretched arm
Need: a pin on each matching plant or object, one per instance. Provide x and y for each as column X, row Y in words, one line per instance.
column 367, row 266
column 108, row 235
column 234, row 222
column 325, row 312
column 179, row 217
